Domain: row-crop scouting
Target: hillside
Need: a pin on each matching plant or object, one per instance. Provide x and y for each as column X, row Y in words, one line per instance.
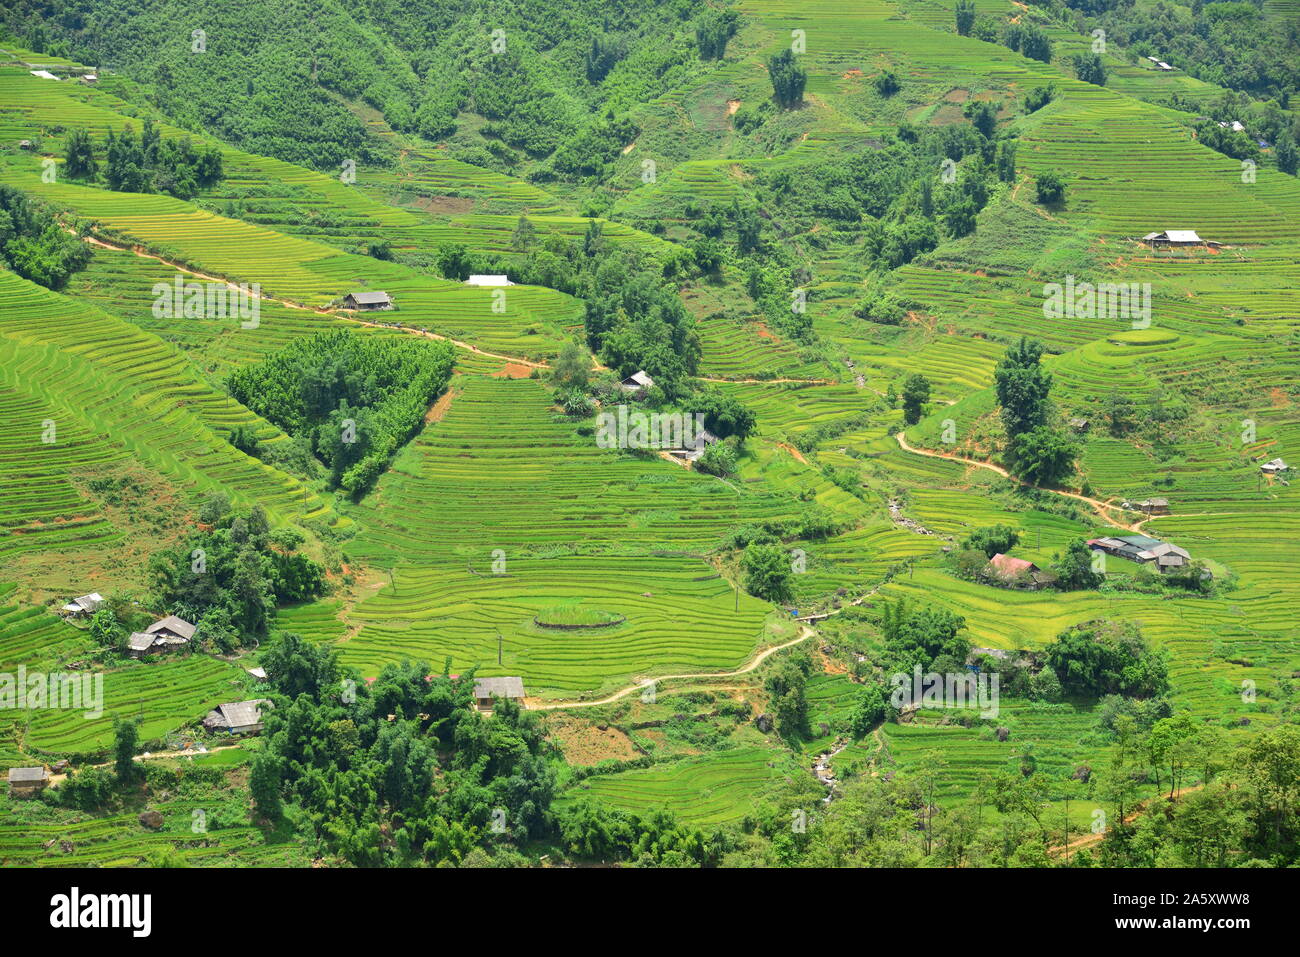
column 928, row 287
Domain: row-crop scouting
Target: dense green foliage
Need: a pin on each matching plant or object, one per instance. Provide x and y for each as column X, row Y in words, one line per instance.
column 34, row 245
column 228, row 579
column 353, row 398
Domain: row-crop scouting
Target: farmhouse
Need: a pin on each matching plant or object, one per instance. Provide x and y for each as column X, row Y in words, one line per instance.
column 163, row 635
column 1155, row 506
column 89, row 78
column 238, row 717
column 1016, row 572
column 1163, row 65
column 27, row 782
column 1178, row 237
column 1144, row 550
column 695, row 448
column 84, row 605
column 488, row 281
column 485, row 689
column 637, row 383
column 1080, row 424
column 1273, row 467
column 367, row 301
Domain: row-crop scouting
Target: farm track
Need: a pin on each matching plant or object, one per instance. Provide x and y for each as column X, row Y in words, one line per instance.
column 753, row 663
column 458, row 343
column 1098, row 506
column 1088, row 840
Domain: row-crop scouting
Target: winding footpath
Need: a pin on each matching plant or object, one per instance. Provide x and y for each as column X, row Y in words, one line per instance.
column 1101, row 508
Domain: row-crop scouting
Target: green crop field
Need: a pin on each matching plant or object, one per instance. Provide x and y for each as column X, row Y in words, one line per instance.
column 835, row 255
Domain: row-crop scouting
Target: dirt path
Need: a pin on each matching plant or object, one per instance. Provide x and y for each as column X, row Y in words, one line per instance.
column 1098, row 506
column 56, row 779
column 458, row 343
column 319, row 310
column 804, row 634
column 1087, row 840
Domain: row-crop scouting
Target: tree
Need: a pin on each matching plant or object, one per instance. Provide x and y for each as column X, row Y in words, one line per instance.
column 1049, row 187
column 916, row 392
column 965, row 16
column 886, row 83
column 788, row 79
column 1120, row 413
column 1074, row 569
column 868, row 711
column 453, row 261
column 1288, row 157
column 525, row 233
column 1039, row 97
column 1022, row 386
column 106, row 631
column 715, row 28
column 1107, row 657
column 1044, row 455
column 767, row 572
column 572, row 367
column 984, row 117
column 125, row 742
column 785, row 686
column 80, row 162
column 264, row 779
column 996, row 539
column 1090, row 68
column 718, row 459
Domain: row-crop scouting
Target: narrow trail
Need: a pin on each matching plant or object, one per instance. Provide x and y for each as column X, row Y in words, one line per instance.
column 138, row 250
column 1098, row 506
column 56, row 779
column 804, row 634
column 1087, row 840
column 319, row 310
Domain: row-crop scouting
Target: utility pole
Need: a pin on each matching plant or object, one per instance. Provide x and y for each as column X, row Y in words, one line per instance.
column 498, row 647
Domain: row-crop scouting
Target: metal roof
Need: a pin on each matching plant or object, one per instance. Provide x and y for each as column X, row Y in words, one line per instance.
column 24, row 775
column 368, row 297
column 510, row 687
column 177, row 626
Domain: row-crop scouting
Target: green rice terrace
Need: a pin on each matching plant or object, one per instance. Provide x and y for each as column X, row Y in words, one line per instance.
column 731, row 434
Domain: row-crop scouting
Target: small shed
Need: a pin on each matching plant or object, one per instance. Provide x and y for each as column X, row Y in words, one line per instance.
column 1177, row 238
column 1016, row 571
column 1080, row 424
column 477, row 280
column 485, row 689
column 172, row 630
column 27, row 782
column 89, row 78
column 44, row 74
column 1273, row 467
column 258, row 673
column 1155, row 506
column 236, row 717
column 637, row 383
column 139, row 643
column 24, row 144
column 84, row 605
column 367, row 301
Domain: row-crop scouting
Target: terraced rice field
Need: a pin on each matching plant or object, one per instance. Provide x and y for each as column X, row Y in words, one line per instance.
column 681, row 616
column 712, row 789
